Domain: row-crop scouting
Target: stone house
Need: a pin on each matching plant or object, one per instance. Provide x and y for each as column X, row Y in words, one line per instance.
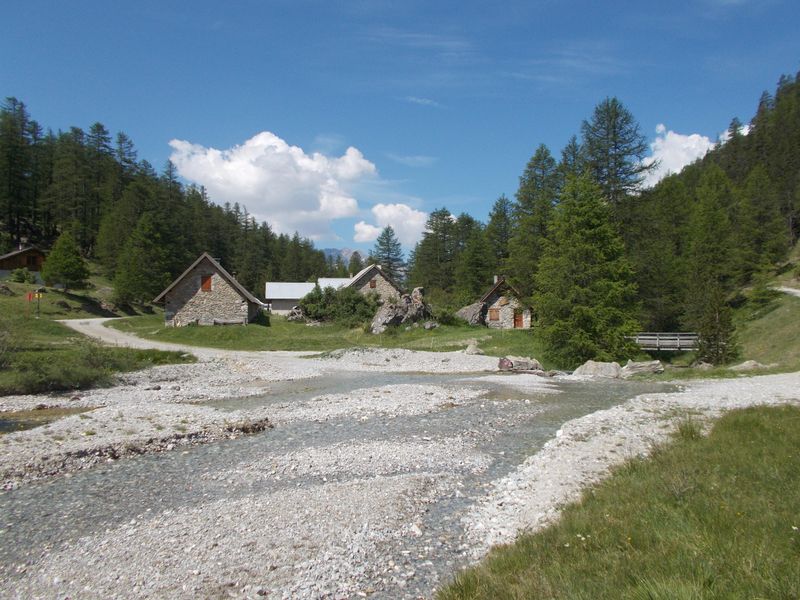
column 282, row 296
column 504, row 310
column 207, row 294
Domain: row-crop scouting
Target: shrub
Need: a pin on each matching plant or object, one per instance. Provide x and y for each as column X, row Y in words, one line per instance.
column 347, row 306
column 22, row 276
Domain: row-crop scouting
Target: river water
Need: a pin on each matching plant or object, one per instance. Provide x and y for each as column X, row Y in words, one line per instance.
column 508, row 425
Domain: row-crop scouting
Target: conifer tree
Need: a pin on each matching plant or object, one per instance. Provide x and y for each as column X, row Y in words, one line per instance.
column 711, row 268
column 64, row 264
column 143, row 265
column 356, row 263
column 585, row 295
column 499, row 231
column 614, row 148
column 474, row 267
column 388, row 253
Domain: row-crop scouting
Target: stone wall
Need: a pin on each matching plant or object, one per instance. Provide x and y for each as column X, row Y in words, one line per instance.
column 187, row 303
column 506, row 306
column 384, row 289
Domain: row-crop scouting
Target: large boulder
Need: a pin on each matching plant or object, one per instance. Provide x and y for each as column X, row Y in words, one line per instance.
column 519, row 363
column 472, row 348
column 649, row 366
column 748, row 365
column 592, row 368
column 474, row 314
column 410, row 308
column 296, row 314
column 5, row 290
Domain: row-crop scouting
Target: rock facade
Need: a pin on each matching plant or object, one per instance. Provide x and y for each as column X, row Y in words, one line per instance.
column 187, row 303
column 384, row 288
column 501, row 309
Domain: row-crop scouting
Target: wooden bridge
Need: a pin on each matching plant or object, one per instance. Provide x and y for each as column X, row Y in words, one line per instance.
column 666, row 342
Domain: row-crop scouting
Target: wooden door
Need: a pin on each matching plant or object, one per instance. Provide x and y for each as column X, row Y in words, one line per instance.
column 517, row 319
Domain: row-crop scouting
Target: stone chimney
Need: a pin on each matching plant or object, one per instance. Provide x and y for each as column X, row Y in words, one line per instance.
column 496, row 279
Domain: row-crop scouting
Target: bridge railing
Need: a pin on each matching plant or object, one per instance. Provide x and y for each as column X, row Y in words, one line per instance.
column 666, row 341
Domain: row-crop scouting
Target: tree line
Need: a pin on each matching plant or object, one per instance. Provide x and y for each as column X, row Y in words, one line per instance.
column 143, row 227
column 598, row 256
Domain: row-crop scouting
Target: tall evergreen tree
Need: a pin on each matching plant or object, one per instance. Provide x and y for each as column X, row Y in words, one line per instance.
column 432, row 262
column 711, row 267
column 143, row 265
column 388, row 253
column 356, row 263
column 536, row 198
column 614, row 148
column 499, row 231
column 474, row 267
column 585, row 294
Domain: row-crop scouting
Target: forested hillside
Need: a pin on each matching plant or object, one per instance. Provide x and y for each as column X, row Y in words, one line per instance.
column 689, row 242
column 596, row 255
column 125, row 215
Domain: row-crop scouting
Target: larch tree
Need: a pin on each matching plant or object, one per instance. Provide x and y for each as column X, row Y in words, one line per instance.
column 614, row 149
column 388, row 253
column 585, row 292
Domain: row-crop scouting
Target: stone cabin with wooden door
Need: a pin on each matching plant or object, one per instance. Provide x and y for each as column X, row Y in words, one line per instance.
column 504, row 309
column 206, row 294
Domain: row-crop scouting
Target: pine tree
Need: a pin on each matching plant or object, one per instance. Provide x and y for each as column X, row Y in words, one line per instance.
column 711, row 267
column 474, row 268
column 536, row 198
column 388, row 253
column 143, row 265
column 432, row 262
column 356, row 263
column 585, row 296
column 64, row 264
column 499, row 231
column 614, row 148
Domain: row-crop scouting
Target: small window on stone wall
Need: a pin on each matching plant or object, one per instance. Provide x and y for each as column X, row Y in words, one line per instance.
column 205, row 283
column 494, row 314
column 372, row 284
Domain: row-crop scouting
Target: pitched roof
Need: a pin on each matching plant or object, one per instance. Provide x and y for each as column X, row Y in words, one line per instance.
column 287, row 290
column 20, row 251
column 334, row 282
column 501, row 282
column 218, row 267
column 365, row 271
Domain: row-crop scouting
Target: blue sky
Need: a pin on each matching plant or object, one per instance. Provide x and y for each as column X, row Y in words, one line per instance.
column 337, row 118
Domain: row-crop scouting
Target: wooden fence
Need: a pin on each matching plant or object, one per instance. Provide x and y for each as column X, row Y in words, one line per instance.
column 666, row 342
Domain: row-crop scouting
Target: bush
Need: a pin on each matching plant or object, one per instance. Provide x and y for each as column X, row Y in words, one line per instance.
column 346, row 306
column 22, row 276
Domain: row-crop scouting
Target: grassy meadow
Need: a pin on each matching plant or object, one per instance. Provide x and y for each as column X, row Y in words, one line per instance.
column 704, row 517
column 285, row 335
column 42, row 355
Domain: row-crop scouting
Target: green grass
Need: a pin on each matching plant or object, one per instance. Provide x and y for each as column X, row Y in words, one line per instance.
column 41, row 355
column 285, row 335
column 704, row 517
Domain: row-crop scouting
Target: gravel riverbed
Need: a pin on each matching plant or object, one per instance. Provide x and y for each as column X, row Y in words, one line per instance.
column 363, row 473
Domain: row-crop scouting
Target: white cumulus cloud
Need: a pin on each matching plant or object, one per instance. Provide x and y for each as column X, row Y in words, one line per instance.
column 279, row 183
column 408, row 223
column 673, row 151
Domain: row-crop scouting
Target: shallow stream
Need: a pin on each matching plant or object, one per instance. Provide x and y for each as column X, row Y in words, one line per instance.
column 506, row 424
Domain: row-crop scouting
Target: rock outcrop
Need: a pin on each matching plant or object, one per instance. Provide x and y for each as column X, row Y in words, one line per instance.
column 649, row 366
column 410, row 308
column 592, row 368
column 474, row 314
column 748, row 365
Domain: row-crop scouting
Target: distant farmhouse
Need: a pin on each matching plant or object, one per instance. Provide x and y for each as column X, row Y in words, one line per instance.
column 282, row 296
column 206, row 294
column 30, row 258
column 504, row 310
